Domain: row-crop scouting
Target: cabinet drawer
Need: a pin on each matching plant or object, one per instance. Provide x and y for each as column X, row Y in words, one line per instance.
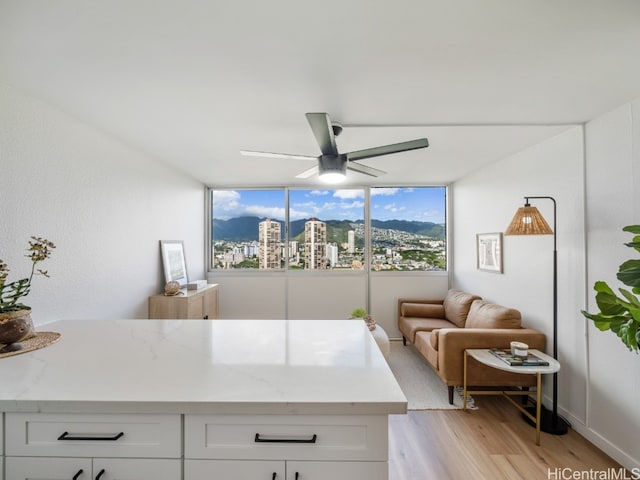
column 337, row 470
column 234, row 469
column 93, row 435
column 29, row 468
column 137, row 469
column 24, row 468
column 280, row 437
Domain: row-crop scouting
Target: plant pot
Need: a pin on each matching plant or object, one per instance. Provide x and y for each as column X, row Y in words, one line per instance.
column 14, row 328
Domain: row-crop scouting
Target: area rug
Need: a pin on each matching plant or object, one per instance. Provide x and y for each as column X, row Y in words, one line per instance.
column 421, row 385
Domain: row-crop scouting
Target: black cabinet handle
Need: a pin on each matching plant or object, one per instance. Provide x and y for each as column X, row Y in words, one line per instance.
column 111, row 438
column 297, row 475
column 100, row 473
column 286, row 440
column 274, row 476
column 77, row 475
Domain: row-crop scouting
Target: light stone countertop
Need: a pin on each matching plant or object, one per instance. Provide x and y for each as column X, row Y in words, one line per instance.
column 203, row 366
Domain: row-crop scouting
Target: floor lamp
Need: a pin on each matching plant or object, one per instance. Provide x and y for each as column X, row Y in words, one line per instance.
column 529, row 221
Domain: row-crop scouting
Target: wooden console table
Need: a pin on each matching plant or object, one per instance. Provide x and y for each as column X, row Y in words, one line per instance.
column 484, row 356
column 192, row 304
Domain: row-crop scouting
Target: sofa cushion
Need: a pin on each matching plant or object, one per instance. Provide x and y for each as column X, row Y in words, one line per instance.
column 489, row 315
column 423, row 345
column 433, row 339
column 426, row 310
column 410, row 325
column 456, row 306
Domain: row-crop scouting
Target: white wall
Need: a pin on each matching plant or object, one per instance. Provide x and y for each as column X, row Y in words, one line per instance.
column 486, row 202
column 104, row 205
column 329, row 295
column 613, row 201
column 594, row 174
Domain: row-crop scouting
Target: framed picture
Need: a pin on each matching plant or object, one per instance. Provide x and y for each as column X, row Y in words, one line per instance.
column 175, row 266
column 489, row 247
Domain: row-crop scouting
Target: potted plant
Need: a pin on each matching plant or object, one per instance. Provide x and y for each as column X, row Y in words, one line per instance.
column 362, row 313
column 15, row 318
column 621, row 315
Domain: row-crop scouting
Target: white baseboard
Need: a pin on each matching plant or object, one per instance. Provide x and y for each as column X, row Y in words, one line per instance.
column 603, row 444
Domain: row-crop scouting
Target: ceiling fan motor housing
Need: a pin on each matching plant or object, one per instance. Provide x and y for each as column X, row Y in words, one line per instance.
column 332, row 164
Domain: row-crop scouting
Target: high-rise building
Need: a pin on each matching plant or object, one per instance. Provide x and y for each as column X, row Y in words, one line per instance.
column 269, row 254
column 351, row 241
column 294, row 252
column 332, row 255
column 315, row 245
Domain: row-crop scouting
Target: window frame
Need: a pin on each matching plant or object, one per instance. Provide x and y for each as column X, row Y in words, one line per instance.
column 367, row 261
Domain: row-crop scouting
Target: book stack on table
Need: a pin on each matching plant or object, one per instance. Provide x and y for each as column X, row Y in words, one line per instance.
column 530, row 360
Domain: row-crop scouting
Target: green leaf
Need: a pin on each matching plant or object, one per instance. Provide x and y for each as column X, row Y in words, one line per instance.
column 629, row 273
column 602, row 325
column 635, row 243
column 605, row 322
column 627, row 331
column 607, row 300
column 621, row 315
column 633, row 300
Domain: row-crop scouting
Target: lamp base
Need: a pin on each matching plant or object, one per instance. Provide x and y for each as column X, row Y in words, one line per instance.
column 549, row 423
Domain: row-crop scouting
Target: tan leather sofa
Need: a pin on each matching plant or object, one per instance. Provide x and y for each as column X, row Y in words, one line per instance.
column 442, row 329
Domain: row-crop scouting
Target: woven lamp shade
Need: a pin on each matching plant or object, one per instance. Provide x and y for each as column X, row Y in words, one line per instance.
column 528, row 221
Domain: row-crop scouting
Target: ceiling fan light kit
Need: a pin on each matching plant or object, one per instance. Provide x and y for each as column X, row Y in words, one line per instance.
column 331, row 165
column 332, row 168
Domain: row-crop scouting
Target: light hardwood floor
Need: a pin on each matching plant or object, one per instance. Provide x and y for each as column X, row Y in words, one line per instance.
column 492, row 442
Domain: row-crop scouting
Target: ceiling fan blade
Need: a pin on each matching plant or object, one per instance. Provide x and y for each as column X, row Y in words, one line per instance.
column 253, row 153
column 308, row 173
column 388, row 149
column 358, row 167
column 320, row 124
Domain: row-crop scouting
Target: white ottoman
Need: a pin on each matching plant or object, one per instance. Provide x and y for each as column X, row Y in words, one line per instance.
column 382, row 339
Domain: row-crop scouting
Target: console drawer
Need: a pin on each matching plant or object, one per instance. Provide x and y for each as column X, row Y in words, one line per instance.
column 93, row 435
column 290, row 437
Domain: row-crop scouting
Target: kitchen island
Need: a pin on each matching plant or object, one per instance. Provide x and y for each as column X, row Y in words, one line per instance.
column 200, row 399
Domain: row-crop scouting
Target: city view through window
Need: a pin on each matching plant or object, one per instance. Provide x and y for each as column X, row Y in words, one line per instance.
column 326, row 229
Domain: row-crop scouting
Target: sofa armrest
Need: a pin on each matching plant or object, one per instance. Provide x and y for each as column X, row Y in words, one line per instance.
column 452, row 342
column 417, row 300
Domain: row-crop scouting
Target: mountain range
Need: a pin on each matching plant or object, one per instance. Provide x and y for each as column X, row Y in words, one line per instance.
column 244, row 229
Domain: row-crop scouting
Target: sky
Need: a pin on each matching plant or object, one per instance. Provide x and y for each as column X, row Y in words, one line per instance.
column 424, row 204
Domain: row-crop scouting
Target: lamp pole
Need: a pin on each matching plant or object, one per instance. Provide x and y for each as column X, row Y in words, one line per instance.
column 555, row 425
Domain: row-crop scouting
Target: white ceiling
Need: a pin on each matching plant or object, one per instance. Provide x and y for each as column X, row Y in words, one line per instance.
column 192, row 82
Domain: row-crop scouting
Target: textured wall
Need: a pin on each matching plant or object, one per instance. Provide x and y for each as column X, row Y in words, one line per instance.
column 105, row 206
column 613, row 201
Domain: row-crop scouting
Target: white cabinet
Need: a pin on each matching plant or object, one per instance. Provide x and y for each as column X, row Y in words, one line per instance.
column 287, row 437
column 283, row 470
column 93, row 435
column 27, row 468
column 93, row 446
column 297, row 470
column 234, row 470
column 291, row 447
column 137, row 469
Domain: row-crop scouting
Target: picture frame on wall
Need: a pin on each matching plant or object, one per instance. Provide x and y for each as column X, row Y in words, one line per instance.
column 173, row 261
column 489, row 248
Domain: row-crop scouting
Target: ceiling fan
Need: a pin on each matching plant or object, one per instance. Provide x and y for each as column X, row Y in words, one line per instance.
column 332, row 165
